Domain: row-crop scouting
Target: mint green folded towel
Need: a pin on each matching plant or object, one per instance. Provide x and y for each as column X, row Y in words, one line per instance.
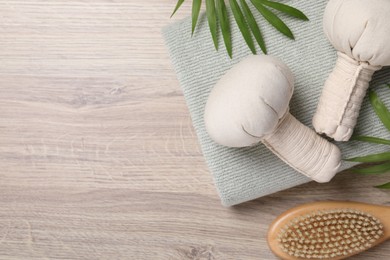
column 245, row 174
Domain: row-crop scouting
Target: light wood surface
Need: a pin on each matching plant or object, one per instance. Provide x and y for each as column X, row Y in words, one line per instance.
column 98, row 158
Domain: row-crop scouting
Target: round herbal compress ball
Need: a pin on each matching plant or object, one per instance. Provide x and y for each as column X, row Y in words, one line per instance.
column 360, row 32
column 248, row 101
column 250, row 104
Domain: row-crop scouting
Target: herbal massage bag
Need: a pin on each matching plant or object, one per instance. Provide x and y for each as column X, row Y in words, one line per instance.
column 248, row 173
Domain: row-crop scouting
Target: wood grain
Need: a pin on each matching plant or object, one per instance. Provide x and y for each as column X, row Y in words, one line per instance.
column 98, row 158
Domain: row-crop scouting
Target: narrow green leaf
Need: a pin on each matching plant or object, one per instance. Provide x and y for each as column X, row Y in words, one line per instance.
column 377, row 169
column 380, row 157
column 179, row 3
column 385, row 186
column 380, row 109
column 196, row 4
column 240, row 19
column 274, row 20
column 369, row 139
column 225, row 26
column 286, row 9
column 253, row 25
column 212, row 19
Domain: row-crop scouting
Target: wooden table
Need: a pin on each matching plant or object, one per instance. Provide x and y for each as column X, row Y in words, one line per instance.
column 98, row 158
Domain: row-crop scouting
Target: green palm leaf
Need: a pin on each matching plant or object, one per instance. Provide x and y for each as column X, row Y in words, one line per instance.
column 384, row 186
column 240, row 19
column 377, row 169
column 212, row 19
column 179, row 3
column 286, row 9
column 225, row 26
column 253, row 25
column 370, row 139
column 273, row 19
column 196, row 4
column 380, row 157
column 384, row 115
column 380, row 109
column 217, row 16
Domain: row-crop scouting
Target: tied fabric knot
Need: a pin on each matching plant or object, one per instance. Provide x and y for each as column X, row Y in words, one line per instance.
column 302, row 149
column 342, row 97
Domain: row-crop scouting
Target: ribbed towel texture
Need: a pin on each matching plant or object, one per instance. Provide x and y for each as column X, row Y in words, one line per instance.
column 245, row 174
